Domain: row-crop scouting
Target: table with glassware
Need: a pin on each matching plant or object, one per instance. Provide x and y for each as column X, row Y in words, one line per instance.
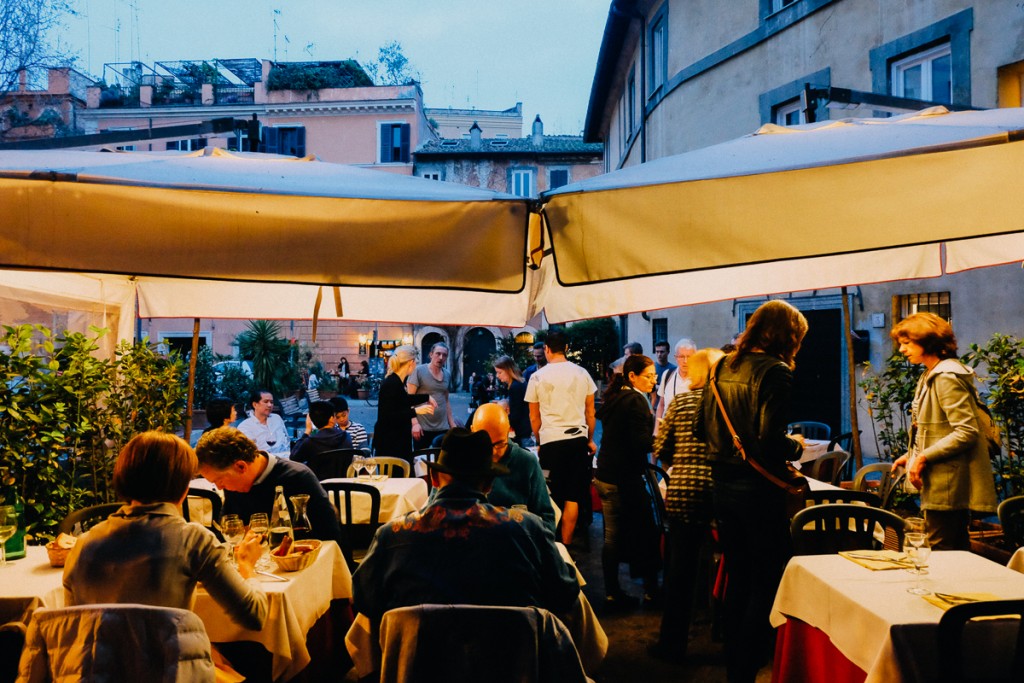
column 398, row 496
column 835, row 619
column 297, row 601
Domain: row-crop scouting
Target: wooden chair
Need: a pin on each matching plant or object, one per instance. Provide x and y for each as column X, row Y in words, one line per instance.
column 831, row 496
column 812, row 430
column 827, row 529
column 1011, row 516
column 960, row 654
column 360, row 534
column 392, row 467
column 829, row 467
column 80, row 521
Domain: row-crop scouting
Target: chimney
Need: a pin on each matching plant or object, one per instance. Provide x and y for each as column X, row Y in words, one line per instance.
column 22, row 80
column 474, row 136
column 538, row 132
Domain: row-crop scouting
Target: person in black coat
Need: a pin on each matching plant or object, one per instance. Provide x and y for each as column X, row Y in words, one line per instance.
column 396, row 408
column 630, row 533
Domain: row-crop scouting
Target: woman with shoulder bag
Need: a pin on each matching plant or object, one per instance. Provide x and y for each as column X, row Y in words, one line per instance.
column 949, row 455
column 750, row 388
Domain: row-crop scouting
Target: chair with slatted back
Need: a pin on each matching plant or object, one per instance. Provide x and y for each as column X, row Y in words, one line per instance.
column 654, row 475
column 397, row 468
column 359, row 531
column 811, row 430
column 831, row 496
column 843, row 442
column 829, row 467
column 1011, row 517
column 985, row 650
column 335, row 463
column 80, row 521
column 827, row 529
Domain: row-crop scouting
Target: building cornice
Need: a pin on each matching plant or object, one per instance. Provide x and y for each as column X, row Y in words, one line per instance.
column 316, row 108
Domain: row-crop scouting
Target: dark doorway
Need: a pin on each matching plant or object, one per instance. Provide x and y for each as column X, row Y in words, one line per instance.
column 478, row 348
column 429, row 339
column 181, row 345
column 816, row 380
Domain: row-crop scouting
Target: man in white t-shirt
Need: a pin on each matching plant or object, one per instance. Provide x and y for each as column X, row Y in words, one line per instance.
column 561, row 398
column 675, row 382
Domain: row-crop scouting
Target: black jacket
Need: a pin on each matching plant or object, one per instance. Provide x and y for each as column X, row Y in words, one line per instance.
column 392, row 436
column 757, row 396
column 627, row 428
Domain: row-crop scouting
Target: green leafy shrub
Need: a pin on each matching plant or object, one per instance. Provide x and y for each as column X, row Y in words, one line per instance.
column 65, row 414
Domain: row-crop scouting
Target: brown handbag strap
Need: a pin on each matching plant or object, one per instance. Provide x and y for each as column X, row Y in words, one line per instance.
column 739, row 442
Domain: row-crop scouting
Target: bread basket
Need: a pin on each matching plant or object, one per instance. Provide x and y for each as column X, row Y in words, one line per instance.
column 303, row 554
column 57, row 550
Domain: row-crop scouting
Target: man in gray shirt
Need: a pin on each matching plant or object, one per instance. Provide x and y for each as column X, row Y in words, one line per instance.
column 432, row 379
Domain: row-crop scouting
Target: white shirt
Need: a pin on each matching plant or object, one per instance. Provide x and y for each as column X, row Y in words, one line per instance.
column 672, row 385
column 261, row 433
column 561, row 390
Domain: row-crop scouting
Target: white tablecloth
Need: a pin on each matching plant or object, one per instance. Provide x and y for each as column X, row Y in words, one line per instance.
column 398, row 496
column 295, row 604
column 856, row 607
column 813, row 449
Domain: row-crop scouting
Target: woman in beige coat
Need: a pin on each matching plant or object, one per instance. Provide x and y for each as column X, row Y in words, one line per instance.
column 949, row 457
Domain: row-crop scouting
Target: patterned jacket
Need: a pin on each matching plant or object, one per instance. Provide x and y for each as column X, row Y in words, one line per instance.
column 689, row 489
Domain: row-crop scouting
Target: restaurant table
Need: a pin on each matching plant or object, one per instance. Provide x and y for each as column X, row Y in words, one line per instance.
column 398, row 496
column 813, row 449
column 295, row 604
column 836, row 620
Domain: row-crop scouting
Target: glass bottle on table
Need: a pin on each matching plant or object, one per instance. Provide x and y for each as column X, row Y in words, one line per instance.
column 300, row 524
column 280, row 519
column 14, row 547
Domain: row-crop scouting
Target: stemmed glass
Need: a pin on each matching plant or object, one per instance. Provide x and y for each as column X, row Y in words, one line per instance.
column 234, row 532
column 358, row 463
column 259, row 523
column 371, row 467
column 914, row 525
column 918, row 551
column 8, row 525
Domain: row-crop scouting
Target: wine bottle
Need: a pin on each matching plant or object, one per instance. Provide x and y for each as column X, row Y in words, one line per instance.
column 280, row 519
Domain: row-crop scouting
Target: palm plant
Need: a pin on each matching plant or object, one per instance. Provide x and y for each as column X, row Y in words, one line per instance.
column 269, row 352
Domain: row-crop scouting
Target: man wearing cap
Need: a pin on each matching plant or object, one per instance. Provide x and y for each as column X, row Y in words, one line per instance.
column 459, row 549
column 524, row 484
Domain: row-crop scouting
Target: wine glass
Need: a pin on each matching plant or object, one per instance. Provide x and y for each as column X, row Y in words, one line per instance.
column 271, row 440
column 259, row 523
column 358, row 463
column 371, row 467
column 8, row 525
column 914, row 525
column 234, row 531
column 918, row 551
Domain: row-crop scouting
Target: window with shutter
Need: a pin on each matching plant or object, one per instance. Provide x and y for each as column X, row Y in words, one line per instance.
column 395, row 143
column 557, row 178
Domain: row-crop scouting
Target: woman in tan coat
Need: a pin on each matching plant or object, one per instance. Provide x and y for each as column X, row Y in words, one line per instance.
column 948, row 458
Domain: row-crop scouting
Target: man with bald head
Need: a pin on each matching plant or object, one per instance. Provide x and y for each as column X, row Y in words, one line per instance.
column 524, row 484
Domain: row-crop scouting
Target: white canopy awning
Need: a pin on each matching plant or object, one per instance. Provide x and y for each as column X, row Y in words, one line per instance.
column 789, row 209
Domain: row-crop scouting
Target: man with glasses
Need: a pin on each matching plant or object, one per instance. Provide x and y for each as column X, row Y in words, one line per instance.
column 524, row 484
column 675, row 381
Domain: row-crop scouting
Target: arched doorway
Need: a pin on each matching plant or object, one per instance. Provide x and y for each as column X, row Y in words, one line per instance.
column 429, row 339
column 478, row 348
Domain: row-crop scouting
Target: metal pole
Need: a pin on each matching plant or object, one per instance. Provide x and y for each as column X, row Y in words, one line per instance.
column 858, row 459
column 191, row 380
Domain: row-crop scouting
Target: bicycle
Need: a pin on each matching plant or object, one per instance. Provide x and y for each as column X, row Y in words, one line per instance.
column 373, row 390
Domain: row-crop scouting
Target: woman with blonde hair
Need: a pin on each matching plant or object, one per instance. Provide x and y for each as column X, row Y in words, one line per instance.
column 397, row 408
column 755, row 383
column 948, row 458
column 688, row 503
